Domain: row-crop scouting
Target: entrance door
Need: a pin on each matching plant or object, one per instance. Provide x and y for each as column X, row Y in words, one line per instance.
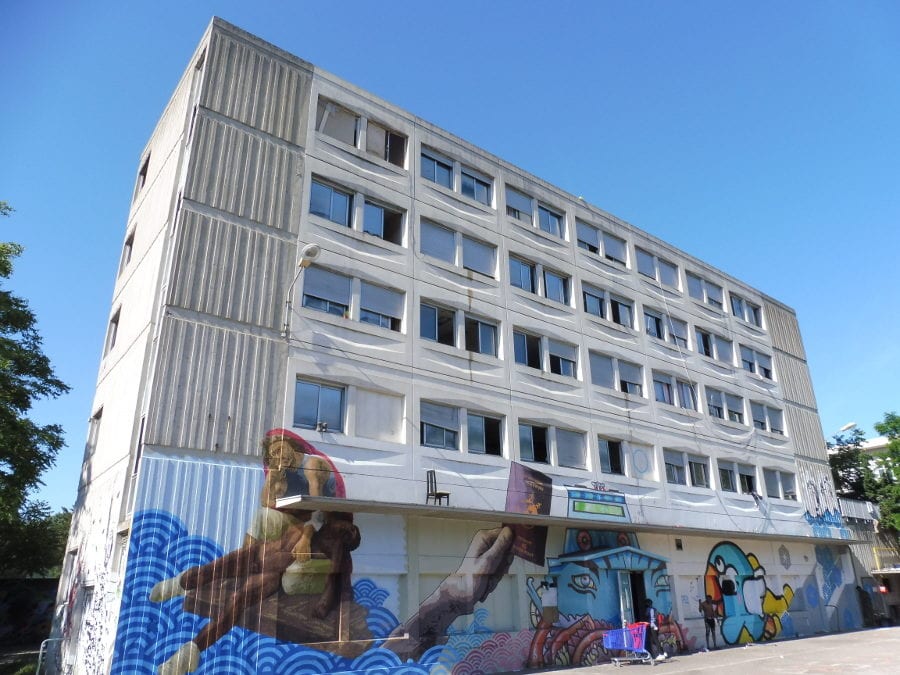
column 626, row 600
column 638, row 595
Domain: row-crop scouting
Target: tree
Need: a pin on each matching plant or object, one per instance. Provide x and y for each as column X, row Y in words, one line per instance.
column 887, row 483
column 849, row 466
column 29, row 534
column 27, row 448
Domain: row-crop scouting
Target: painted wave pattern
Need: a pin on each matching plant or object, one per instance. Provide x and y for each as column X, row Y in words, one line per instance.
column 150, row 632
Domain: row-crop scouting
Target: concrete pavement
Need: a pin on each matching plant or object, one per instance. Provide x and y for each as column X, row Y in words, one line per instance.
column 874, row 651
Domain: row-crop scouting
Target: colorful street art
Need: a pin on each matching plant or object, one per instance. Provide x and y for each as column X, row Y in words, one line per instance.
column 287, row 599
column 750, row 611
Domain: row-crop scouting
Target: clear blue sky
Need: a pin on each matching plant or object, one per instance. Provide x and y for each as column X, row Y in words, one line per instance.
column 762, row 137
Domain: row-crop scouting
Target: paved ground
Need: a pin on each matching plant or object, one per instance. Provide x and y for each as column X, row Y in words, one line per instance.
column 874, row 651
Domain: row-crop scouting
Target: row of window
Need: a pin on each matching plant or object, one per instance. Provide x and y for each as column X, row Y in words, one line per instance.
column 355, row 130
column 321, row 406
column 331, row 292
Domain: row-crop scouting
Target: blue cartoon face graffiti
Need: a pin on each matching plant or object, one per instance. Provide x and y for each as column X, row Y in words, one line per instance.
column 736, row 581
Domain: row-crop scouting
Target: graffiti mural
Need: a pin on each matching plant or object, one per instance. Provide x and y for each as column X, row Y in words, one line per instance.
column 750, row 611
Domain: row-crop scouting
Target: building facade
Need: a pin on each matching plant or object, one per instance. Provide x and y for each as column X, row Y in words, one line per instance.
column 373, row 398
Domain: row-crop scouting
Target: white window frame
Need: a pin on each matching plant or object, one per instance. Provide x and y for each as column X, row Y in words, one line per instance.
column 472, row 416
column 355, row 310
column 656, row 264
column 449, row 430
column 745, row 310
column 457, row 253
column 437, row 159
column 358, row 204
column 605, row 457
column 552, row 436
column 716, row 342
column 693, row 462
column 556, row 356
column 618, row 383
column 767, row 418
column 674, row 467
column 709, row 293
column 480, row 323
column 754, row 361
column 321, row 419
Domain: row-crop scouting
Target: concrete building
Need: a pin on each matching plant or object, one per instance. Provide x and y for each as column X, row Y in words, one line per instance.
column 372, row 397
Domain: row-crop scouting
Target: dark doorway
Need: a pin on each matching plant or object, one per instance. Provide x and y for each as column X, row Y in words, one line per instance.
column 638, row 595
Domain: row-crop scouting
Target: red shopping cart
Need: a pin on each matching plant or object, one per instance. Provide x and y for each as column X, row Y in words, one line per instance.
column 628, row 642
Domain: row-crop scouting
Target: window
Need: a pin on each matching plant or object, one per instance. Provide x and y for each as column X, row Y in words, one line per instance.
column 704, row 291
column 112, row 331
column 674, row 462
column 478, row 256
column 608, row 372
column 672, row 391
column 788, row 486
column 746, row 310
column 380, row 306
column 662, row 388
column 437, row 323
column 437, row 169
column 476, row 186
column 714, row 346
column 519, row 205
column 747, row 477
column 570, row 449
column 439, row 426
column 772, row 483
column 766, row 418
column 549, row 221
column 653, row 324
column 326, row 291
column 329, row 202
column 485, row 434
column 141, row 177
column 330, row 292
column 735, row 406
column 563, row 358
column 556, row 287
column 337, row 122
column 385, row 143
column 521, row 275
column 726, row 479
column 481, row 336
column 699, row 471
column 615, row 249
column 318, row 406
column 444, row 244
column 533, row 443
column 594, row 301
column 656, row 268
column 677, row 332
column 527, row 349
column 384, row 222
column 687, row 397
column 714, row 403
column 611, row 457
column 587, row 237
column 127, row 249
column 621, row 311
column 756, row 362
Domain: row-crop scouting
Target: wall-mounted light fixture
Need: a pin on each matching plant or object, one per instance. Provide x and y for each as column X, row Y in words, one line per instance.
column 308, row 255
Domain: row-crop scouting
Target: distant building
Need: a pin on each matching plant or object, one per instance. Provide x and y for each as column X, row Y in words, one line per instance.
column 494, row 419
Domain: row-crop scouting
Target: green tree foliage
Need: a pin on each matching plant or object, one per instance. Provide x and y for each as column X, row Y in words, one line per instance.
column 27, row 449
column 34, row 544
column 849, row 467
column 886, row 487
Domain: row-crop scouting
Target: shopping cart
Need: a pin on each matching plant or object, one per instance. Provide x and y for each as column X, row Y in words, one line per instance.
column 629, row 643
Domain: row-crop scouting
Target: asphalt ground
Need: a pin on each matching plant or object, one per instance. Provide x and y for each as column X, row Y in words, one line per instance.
column 873, row 651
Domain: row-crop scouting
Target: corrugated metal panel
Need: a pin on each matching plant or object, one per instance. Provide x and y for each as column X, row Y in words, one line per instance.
column 814, row 483
column 257, row 89
column 230, row 271
column 227, row 489
column 796, row 384
column 784, row 329
column 216, row 389
column 240, row 173
column 805, row 429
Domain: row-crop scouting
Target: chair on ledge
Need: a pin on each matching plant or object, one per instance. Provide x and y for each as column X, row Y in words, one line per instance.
column 433, row 493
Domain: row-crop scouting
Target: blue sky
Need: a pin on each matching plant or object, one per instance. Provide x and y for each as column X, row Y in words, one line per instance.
column 762, row 137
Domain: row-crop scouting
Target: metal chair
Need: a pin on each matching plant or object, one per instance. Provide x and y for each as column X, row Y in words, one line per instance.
column 433, row 493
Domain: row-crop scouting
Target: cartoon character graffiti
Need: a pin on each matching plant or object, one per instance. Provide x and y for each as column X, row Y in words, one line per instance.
column 750, row 610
